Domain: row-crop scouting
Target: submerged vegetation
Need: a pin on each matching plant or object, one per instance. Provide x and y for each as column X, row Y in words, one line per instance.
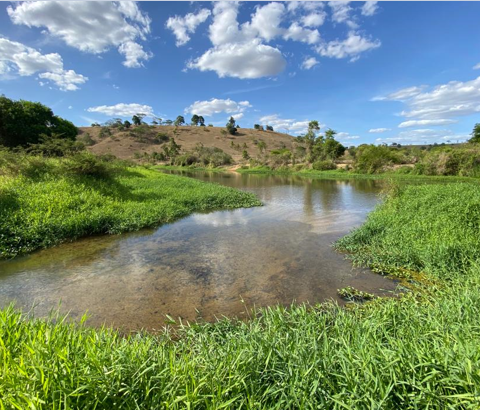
column 416, row 351
column 44, row 201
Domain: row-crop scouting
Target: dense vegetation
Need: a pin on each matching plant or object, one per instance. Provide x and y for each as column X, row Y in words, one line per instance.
column 47, row 200
column 23, row 122
column 418, row 351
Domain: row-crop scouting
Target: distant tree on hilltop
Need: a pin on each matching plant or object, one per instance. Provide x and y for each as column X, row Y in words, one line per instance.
column 475, row 134
column 179, row 121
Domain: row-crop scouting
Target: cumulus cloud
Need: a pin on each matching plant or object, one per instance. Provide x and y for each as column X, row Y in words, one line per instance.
column 122, row 109
column 298, row 33
column 434, row 122
column 243, row 60
column 314, row 19
column 341, row 13
column 214, row 106
column 476, row 67
column 442, row 102
column 183, row 26
column 90, row 26
column 309, row 62
column 17, row 58
column 379, row 130
column 351, row 47
column 66, row 80
column 369, row 8
column 291, row 125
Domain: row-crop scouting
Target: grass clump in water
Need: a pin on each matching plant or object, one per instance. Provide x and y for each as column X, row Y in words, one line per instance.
column 44, row 201
column 352, row 294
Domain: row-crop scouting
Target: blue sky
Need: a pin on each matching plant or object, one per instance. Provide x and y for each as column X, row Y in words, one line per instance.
column 405, row 72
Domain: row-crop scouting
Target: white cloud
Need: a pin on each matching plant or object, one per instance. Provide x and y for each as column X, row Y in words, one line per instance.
column 476, row 67
column 133, row 53
column 183, row 26
column 402, row 94
column 351, row 47
column 265, row 22
column 66, row 80
column 237, row 116
column 214, row 106
column 379, row 130
column 442, row 102
column 90, row 26
column 341, row 13
column 345, row 136
column 309, row 62
column 369, row 8
column 314, row 19
column 243, row 60
column 122, row 109
column 425, row 136
column 433, row 122
column 291, row 125
column 297, row 33
column 27, row 61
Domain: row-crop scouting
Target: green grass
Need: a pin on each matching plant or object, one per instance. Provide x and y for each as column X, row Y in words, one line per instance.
column 418, row 351
column 38, row 212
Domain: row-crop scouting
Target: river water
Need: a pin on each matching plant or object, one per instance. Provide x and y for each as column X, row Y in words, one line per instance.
column 207, row 265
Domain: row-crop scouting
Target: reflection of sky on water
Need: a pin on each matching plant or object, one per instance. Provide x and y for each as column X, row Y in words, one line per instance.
column 201, row 265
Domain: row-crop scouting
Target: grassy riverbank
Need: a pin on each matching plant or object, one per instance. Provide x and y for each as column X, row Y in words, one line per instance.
column 46, row 201
column 419, row 351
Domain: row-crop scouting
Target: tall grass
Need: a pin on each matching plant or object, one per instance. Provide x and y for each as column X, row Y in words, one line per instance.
column 418, row 351
column 46, row 201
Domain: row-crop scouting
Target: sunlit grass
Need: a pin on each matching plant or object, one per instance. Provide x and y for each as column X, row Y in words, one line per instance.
column 38, row 212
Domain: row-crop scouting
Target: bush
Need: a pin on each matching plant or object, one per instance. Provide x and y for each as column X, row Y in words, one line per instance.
column 324, row 165
column 54, row 146
column 86, row 139
column 87, row 164
column 375, row 159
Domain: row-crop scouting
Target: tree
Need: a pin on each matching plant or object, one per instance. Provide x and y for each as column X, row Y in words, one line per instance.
column 138, row 118
column 127, row 124
column 95, row 124
column 179, row 121
column 168, row 122
column 22, row 122
column 257, row 127
column 195, row 120
column 231, row 126
column 269, row 128
column 475, row 134
column 201, row 120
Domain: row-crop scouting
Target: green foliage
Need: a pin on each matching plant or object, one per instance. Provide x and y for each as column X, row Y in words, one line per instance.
column 475, row 134
column 179, row 121
column 85, row 194
column 23, row 122
column 352, row 294
column 55, row 146
column 127, row 124
column 231, row 129
column 258, row 127
column 162, row 138
column 448, row 161
column 195, row 120
column 375, row 159
column 269, row 128
column 203, row 156
column 324, row 165
column 245, row 155
column 171, row 150
column 432, row 228
column 85, row 139
column 137, row 119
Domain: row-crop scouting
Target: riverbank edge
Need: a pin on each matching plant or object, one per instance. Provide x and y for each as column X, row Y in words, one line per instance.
column 108, row 214
column 314, row 174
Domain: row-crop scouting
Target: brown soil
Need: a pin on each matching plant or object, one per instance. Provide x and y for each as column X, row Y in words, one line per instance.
column 124, row 144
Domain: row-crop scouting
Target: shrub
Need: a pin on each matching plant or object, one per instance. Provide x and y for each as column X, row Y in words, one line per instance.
column 86, row 139
column 55, row 146
column 324, row 165
column 375, row 159
column 87, row 164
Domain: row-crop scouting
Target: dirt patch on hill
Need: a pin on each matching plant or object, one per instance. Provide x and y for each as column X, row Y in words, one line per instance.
column 124, row 144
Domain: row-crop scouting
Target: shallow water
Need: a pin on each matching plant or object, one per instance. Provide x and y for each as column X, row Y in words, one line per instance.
column 206, row 265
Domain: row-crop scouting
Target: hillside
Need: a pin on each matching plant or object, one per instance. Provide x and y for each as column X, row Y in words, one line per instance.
column 124, row 144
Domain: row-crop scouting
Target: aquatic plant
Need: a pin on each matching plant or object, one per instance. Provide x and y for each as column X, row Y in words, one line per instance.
column 350, row 293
